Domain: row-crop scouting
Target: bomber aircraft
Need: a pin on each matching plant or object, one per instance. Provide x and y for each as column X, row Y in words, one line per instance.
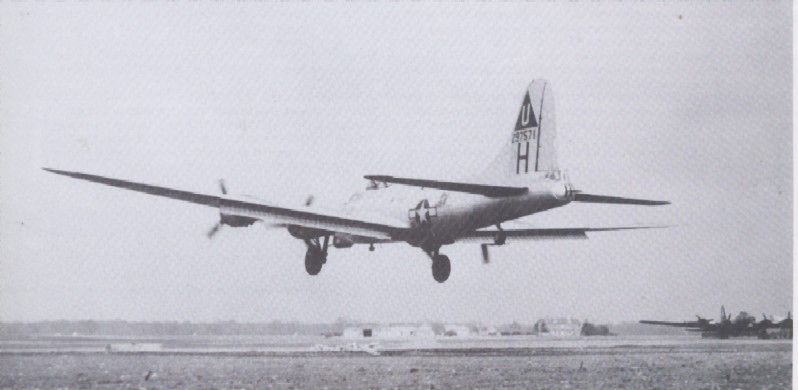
column 523, row 179
column 742, row 325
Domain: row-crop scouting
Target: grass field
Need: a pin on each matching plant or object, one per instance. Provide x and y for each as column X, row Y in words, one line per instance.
column 720, row 364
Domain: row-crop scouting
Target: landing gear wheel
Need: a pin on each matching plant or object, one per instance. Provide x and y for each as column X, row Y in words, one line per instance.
column 501, row 237
column 441, row 268
column 314, row 259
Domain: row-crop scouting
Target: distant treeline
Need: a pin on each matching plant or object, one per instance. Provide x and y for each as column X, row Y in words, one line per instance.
column 233, row 328
column 168, row 328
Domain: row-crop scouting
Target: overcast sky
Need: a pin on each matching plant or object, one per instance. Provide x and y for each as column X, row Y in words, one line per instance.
column 665, row 100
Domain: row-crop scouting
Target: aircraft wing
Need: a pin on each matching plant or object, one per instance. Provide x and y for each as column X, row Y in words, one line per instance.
column 547, row 233
column 477, row 189
column 275, row 215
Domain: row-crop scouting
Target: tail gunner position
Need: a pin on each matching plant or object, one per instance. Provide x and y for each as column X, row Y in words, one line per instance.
column 522, row 180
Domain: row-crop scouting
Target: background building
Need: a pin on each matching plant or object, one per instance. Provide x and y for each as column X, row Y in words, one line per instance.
column 558, row 327
column 389, row 332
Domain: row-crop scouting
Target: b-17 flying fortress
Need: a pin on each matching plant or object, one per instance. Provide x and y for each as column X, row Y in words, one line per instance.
column 522, row 180
column 743, row 325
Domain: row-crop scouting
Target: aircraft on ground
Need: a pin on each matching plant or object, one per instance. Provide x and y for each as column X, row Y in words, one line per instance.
column 742, row 325
column 523, row 179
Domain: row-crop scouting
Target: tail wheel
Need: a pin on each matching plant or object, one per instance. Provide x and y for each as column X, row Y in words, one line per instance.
column 441, row 268
column 314, row 259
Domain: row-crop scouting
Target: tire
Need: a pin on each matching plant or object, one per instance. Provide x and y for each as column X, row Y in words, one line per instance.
column 313, row 261
column 501, row 238
column 441, row 268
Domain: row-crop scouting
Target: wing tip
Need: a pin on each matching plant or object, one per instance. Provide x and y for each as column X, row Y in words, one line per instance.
column 56, row 171
column 604, row 199
column 649, row 227
column 76, row 175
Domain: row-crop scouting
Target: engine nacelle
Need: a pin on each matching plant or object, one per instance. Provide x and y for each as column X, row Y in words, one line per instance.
column 304, row 233
column 343, row 241
column 237, row 220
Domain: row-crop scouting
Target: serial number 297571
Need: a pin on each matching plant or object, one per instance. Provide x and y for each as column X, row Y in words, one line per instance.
column 523, row 136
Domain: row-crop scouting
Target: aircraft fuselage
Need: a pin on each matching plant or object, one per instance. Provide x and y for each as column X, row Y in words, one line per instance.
column 438, row 217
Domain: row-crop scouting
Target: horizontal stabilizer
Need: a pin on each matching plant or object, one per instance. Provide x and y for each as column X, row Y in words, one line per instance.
column 477, row 189
column 588, row 198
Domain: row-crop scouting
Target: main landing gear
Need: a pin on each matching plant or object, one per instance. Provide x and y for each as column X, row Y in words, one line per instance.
column 316, row 255
column 441, row 266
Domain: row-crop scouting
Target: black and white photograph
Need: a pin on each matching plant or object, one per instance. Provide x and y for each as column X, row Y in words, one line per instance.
column 396, row 195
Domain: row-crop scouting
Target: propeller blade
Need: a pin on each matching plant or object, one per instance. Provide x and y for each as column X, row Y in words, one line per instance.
column 214, row 230
column 222, row 187
column 309, row 200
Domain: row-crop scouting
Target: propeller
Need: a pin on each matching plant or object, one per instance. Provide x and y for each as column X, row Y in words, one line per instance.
column 215, row 229
column 485, row 254
column 309, row 200
column 218, row 226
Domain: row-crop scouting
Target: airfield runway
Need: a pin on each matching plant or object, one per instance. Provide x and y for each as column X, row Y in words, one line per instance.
column 606, row 362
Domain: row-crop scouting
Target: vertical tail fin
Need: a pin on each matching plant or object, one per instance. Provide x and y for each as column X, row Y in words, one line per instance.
column 530, row 149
